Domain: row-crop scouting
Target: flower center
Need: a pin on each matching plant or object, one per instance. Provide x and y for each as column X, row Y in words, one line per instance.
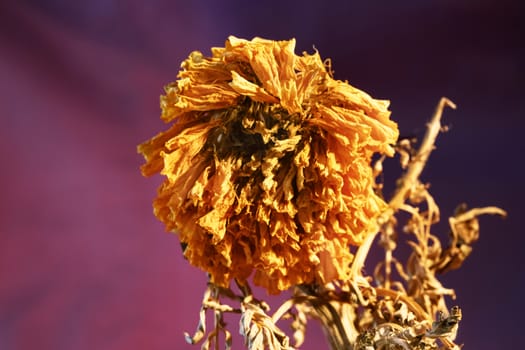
column 250, row 129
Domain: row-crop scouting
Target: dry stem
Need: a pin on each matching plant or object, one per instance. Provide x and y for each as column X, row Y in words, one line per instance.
column 408, row 180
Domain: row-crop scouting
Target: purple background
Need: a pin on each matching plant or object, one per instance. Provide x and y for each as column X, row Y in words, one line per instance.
column 83, row 262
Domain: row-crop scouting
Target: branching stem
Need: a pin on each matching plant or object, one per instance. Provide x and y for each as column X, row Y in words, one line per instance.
column 409, row 179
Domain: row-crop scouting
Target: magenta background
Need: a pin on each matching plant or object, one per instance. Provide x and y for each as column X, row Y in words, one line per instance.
column 83, row 262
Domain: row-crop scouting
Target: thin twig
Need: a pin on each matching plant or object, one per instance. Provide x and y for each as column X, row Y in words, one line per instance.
column 408, row 180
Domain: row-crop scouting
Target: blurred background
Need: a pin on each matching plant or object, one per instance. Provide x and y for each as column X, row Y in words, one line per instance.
column 83, row 262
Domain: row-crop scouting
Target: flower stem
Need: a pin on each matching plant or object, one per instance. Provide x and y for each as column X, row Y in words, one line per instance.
column 331, row 316
column 333, row 327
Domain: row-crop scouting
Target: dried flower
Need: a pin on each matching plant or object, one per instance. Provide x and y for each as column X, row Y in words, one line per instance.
column 267, row 165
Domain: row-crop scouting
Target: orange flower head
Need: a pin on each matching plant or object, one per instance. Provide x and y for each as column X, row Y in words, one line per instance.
column 267, row 164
